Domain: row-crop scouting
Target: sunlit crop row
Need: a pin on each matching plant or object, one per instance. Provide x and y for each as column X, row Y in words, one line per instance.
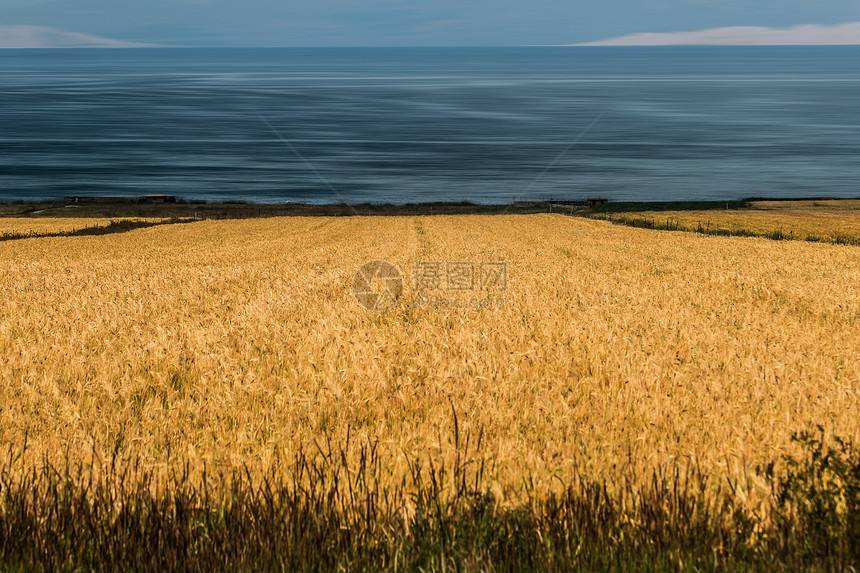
column 47, row 225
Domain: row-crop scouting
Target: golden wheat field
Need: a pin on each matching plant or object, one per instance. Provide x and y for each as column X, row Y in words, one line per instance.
column 823, row 220
column 239, row 342
column 43, row 225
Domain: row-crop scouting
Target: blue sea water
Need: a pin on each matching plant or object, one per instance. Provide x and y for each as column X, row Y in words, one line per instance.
column 398, row 125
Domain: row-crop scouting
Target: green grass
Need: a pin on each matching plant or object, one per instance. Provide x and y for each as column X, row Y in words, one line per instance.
column 320, row 515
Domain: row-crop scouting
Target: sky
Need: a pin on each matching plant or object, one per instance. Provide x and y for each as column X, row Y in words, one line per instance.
column 401, row 22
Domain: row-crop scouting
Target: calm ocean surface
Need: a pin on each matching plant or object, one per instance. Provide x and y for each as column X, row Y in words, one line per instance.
column 408, row 125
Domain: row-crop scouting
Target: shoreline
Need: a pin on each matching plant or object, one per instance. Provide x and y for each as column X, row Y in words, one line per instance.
column 241, row 210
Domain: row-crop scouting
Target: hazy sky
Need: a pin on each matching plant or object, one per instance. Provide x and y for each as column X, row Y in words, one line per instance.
column 408, row 22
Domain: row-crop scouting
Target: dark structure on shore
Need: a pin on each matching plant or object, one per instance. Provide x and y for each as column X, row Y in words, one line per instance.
column 591, row 202
column 142, row 199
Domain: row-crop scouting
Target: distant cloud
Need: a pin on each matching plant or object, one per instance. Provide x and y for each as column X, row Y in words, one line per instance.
column 809, row 35
column 44, row 37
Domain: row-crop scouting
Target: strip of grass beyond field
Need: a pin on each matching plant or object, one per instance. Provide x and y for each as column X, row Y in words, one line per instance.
column 822, row 221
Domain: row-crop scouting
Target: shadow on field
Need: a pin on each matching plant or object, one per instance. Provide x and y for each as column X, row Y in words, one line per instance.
column 109, row 229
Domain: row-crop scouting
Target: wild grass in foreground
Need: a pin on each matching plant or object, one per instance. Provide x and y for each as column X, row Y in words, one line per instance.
column 326, row 515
